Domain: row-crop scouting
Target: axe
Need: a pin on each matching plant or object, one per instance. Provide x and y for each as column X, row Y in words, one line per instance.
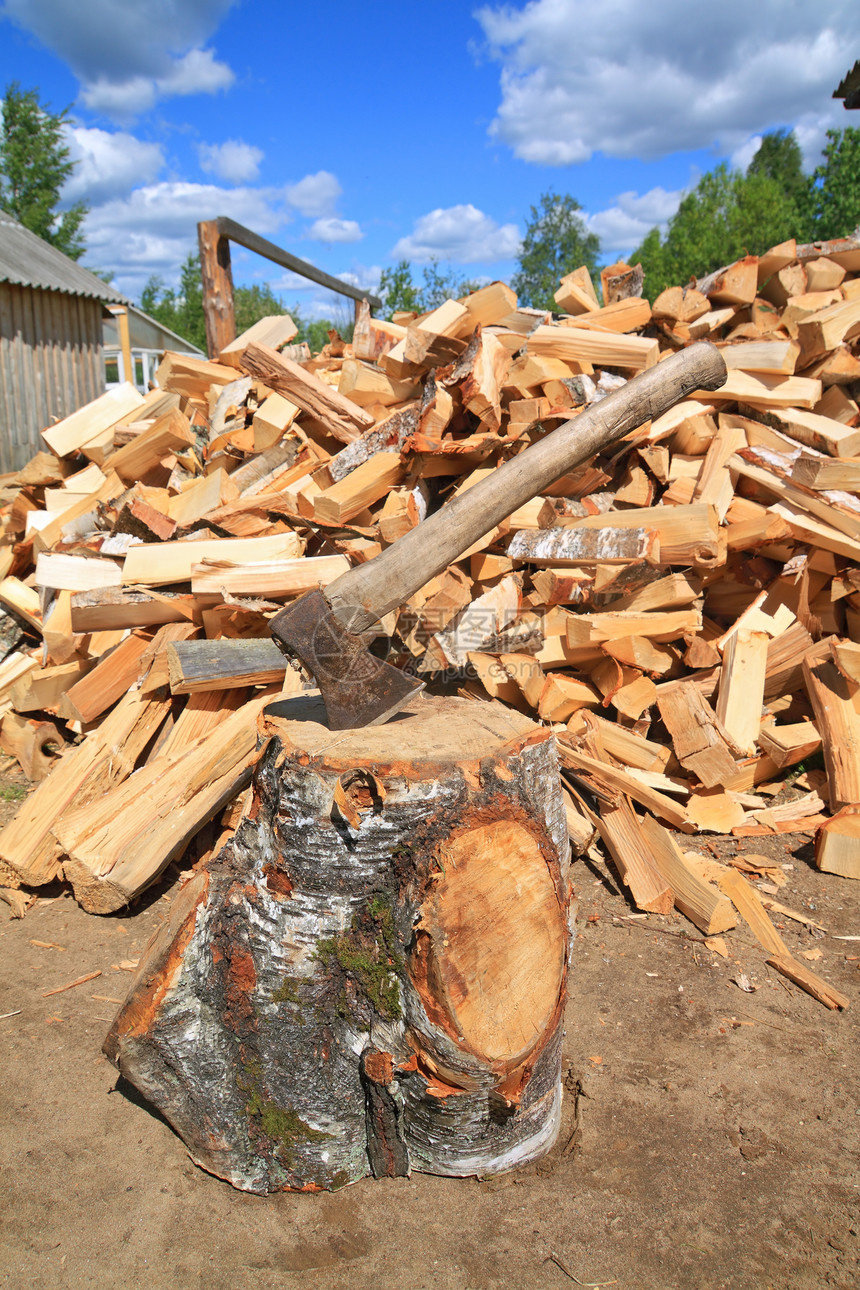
column 325, row 630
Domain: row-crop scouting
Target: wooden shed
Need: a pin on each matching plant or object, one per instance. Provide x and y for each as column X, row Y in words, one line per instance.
column 51, row 359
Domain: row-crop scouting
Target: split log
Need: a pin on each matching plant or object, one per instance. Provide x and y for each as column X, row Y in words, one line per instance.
column 157, row 564
column 700, row 741
column 787, row 745
column 837, row 844
column 106, row 756
column 267, row 578
column 114, row 676
column 223, row 665
column 838, row 722
column 33, row 743
column 73, row 432
column 118, row 846
column 809, row 981
column 383, row 985
column 622, row 835
column 276, row 331
column 741, row 693
column 696, row 899
column 170, row 434
column 580, row 343
column 575, row 546
column 343, row 419
column 118, row 608
column 734, row 285
column 576, row 293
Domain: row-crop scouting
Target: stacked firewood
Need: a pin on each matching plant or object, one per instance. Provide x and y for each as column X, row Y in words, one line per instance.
column 685, row 611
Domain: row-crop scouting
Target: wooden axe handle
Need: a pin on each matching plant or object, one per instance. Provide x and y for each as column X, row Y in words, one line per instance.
column 360, row 597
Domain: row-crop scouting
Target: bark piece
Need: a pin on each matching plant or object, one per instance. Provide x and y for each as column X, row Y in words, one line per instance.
column 405, row 975
column 34, row 744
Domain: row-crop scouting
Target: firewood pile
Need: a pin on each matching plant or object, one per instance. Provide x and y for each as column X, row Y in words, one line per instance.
column 684, row 611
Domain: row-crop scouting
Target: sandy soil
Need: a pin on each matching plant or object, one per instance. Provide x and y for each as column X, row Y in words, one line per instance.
column 710, row 1137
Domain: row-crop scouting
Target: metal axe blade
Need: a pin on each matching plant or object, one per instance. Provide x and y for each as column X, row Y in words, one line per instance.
column 358, row 688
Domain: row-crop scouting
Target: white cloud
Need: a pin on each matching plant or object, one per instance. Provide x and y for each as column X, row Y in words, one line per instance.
column 127, row 56
column 622, row 226
column 315, row 195
column 364, row 276
column 333, row 229
column 646, row 80
column 108, row 164
column 232, row 160
column 811, row 133
column 154, row 227
column 462, row 234
column 197, row 72
column 120, row 100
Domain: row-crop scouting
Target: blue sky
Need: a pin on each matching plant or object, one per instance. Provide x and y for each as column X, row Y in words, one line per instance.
column 358, row 135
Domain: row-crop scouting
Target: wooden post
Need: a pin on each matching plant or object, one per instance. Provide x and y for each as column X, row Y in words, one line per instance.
column 125, row 342
column 371, row 974
column 217, row 286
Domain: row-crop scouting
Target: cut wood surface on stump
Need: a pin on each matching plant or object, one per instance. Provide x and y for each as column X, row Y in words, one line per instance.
column 411, row 937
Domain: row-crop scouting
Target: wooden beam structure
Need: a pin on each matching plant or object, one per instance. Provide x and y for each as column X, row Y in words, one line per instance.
column 214, row 237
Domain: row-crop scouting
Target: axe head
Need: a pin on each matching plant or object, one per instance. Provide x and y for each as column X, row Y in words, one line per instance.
column 358, row 688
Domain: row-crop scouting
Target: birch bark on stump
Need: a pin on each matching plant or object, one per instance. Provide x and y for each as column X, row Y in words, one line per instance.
column 371, row 974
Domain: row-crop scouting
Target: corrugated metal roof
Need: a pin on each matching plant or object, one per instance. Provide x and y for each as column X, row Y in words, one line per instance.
column 29, row 261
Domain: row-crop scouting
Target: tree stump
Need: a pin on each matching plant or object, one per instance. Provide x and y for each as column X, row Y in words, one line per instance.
column 370, row 976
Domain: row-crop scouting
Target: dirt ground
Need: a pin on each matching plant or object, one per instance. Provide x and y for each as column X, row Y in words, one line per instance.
column 710, row 1136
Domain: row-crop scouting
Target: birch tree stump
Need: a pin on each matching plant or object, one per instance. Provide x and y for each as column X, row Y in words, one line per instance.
column 371, row 975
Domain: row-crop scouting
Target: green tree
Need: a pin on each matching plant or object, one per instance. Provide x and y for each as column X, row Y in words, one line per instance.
column 779, row 158
column 726, row 216
column 34, row 166
column 398, row 292
column 836, row 185
column 250, row 304
column 315, row 331
column 441, row 285
column 557, row 241
column 181, row 310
